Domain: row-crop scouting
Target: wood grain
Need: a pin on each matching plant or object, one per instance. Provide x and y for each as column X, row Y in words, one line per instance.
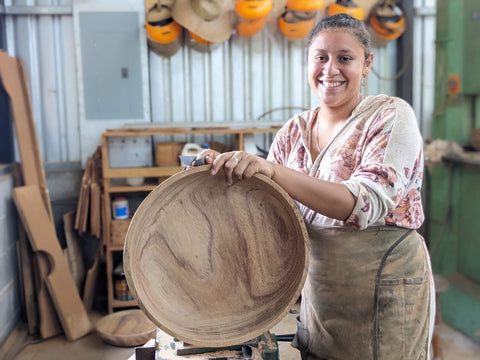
column 213, row 264
column 126, row 328
column 60, row 283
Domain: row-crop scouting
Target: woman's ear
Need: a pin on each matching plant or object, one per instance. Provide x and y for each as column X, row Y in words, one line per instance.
column 368, row 63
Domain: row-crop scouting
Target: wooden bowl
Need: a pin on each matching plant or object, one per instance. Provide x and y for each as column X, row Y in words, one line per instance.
column 126, row 328
column 212, row 264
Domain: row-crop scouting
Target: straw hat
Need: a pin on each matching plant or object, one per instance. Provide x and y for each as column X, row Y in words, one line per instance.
column 212, row 20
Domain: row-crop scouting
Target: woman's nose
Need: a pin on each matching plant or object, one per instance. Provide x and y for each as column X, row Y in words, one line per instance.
column 329, row 68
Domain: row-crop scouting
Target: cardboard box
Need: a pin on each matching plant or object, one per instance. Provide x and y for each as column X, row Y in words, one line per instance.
column 167, row 153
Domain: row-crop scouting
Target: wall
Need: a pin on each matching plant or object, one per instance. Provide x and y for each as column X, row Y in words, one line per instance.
column 10, row 303
column 236, row 81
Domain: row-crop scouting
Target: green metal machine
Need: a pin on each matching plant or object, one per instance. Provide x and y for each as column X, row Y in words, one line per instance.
column 454, row 195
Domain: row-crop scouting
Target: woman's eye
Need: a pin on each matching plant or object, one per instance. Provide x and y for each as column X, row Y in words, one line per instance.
column 319, row 58
column 345, row 59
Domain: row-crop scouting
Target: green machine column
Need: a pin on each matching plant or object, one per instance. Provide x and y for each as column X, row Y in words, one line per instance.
column 454, row 201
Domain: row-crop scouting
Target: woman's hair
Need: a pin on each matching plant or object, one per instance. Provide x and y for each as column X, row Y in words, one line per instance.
column 343, row 21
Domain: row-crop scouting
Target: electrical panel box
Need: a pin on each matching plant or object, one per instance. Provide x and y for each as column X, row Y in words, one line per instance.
column 111, row 66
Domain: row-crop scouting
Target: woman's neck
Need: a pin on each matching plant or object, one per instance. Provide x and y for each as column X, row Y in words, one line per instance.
column 338, row 114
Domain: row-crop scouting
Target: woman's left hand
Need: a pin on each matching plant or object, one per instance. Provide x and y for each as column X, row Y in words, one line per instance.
column 241, row 165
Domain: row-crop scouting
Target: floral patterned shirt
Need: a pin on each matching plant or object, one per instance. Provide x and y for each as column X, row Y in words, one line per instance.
column 378, row 155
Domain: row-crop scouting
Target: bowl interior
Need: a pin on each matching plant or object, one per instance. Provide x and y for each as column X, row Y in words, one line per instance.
column 213, row 264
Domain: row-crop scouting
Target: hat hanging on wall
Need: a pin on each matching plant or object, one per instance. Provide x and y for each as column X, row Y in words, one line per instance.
column 346, row 7
column 299, row 18
column 212, row 20
column 305, row 5
column 387, row 20
column 296, row 25
column 249, row 27
column 253, row 15
column 198, row 43
column 163, row 32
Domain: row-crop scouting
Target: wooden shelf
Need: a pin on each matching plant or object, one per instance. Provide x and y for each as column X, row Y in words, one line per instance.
column 112, row 183
column 153, row 171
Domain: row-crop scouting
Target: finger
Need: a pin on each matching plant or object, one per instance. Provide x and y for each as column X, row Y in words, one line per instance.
column 230, row 166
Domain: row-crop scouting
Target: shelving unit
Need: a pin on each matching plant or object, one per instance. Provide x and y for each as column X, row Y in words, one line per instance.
column 112, row 188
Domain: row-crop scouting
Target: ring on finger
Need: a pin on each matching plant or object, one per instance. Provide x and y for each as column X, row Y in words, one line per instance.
column 236, row 158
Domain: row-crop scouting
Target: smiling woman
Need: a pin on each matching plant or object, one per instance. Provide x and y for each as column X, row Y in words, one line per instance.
column 354, row 166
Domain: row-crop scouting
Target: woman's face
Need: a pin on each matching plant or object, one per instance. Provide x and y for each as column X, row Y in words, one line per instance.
column 336, row 62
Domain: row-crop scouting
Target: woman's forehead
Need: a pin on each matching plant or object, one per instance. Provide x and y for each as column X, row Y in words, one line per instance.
column 342, row 38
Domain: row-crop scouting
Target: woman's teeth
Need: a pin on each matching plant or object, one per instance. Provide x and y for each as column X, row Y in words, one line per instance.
column 331, row 84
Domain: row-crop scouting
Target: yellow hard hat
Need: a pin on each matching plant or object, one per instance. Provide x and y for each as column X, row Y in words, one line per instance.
column 387, row 20
column 249, row 27
column 294, row 27
column 346, row 7
column 163, row 31
column 253, row 9
column 305, row 5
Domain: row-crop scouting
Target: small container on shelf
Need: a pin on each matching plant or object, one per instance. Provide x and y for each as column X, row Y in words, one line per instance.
column 121, row 290
column 120, row 208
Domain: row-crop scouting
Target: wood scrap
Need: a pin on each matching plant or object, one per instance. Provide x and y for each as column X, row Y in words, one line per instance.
column 60, row 283
column 26, row 268
column 88, row 217
column 14, row 78
column 74, row 250
column 49, row 320
column 91, row 282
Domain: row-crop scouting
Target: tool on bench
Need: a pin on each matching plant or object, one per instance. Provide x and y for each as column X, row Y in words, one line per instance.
column 191, row 160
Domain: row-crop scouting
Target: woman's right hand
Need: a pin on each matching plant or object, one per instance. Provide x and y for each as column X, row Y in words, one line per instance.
column 241, row 165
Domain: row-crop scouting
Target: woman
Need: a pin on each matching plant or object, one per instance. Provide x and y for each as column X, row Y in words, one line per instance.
column 354, row 165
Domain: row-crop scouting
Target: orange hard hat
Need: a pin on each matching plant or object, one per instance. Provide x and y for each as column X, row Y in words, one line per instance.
column 199, row 39
column 346, row 7
column 253, row 9
column 294, row 27
column 163, row 31
column 305, row 5
column 387, row 20
column 249, row 27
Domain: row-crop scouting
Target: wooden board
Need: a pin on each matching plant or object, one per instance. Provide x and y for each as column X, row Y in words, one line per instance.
column 126, row 328
column 74, row 251
column 61, row 286
column 26, row 267
column 91, row 281
column 14, row 78
column 212, row 264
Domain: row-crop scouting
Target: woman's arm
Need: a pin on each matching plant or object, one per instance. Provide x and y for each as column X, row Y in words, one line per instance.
column 329, row 199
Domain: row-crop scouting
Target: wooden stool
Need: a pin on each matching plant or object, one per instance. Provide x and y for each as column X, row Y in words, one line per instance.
column 441, row 285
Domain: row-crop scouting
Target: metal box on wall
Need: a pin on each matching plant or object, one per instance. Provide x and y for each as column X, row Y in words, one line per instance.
column 470, row 82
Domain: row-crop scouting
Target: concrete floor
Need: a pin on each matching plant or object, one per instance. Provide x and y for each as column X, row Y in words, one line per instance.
column 19, row 346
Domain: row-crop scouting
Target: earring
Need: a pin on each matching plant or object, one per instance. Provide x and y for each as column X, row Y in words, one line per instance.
column 364, row 80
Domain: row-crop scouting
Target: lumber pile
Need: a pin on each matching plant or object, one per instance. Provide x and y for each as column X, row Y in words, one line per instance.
column 51, row 297
column 88, row 215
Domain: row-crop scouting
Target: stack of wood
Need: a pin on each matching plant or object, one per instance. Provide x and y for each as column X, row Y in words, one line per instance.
column 88, row 216
column 51, row 298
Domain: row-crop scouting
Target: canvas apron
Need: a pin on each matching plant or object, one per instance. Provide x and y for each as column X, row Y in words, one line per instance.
column 368, row 293
column 366, row 296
